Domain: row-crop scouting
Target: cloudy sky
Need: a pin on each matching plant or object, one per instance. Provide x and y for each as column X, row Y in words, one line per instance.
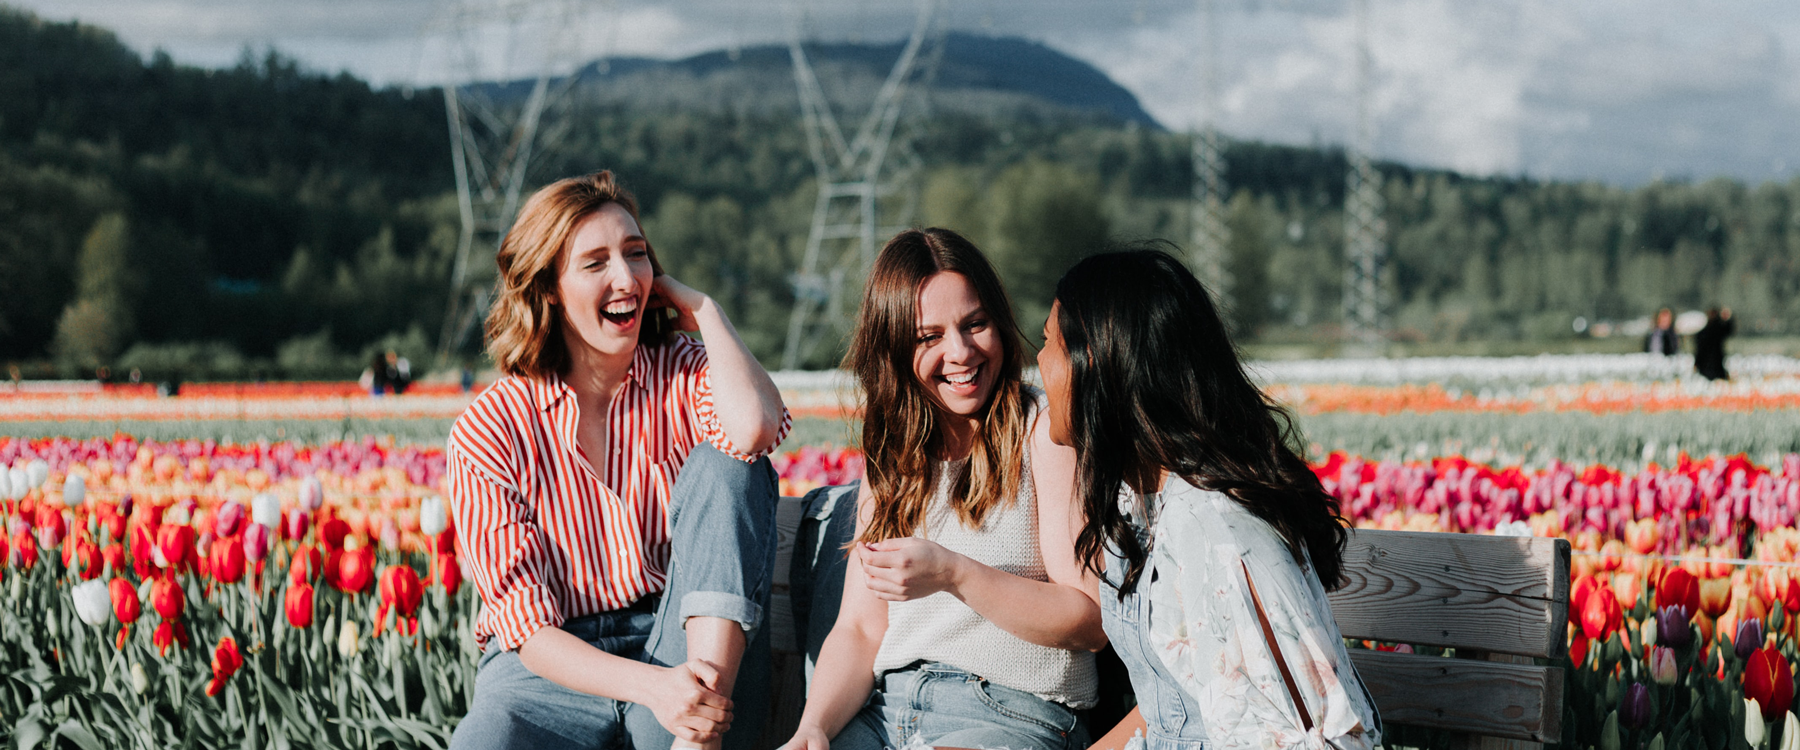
column 1618, row 90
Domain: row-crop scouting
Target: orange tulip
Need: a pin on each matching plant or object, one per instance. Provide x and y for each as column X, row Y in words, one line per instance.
column 1627, row 588
column 1641, row 536
column 24, row 551
column 1715, row 596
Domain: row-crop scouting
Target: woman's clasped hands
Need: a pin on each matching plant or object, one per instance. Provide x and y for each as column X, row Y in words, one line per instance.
column 908, row 568
column 685, row 702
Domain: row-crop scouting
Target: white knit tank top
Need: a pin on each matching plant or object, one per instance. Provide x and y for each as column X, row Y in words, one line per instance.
column 941, row 628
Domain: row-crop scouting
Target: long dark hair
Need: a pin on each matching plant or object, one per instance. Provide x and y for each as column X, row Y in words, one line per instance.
column 900, row 429
column 1156, row 384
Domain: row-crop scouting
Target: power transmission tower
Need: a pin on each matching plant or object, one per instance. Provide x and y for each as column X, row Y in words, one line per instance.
column 1211, row 236
column 495, row 135
column 1365, row 302
column 840, row 247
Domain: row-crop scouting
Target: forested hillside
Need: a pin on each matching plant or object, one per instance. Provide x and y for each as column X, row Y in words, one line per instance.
column 269, row 220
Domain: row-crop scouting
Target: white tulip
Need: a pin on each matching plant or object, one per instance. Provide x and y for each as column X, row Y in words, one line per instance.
column 312, row 493
column 1753, row 722
column 93, row 603
column 139, row 681
column 1790, row 732
column 265, row 509
column 38, row 471
column 348, row 642
column 432, row 519
column 21, row 484
column 74, row 491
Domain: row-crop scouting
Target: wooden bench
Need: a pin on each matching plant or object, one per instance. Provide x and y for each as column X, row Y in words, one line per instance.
column 1500, row 602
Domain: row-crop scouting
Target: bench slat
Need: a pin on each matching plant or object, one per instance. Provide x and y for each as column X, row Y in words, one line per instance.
column 1512, row 701
column 1501, row 594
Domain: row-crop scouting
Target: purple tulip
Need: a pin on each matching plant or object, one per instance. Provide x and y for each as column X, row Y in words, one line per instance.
column 231, row 516
column 1634, row 710
column 1749, row 637
column 256, row 542
column 1672, row 627
column 125, row 506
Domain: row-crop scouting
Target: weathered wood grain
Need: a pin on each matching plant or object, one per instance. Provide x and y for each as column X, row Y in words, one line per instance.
column 1509, row 701
column 1502, row 594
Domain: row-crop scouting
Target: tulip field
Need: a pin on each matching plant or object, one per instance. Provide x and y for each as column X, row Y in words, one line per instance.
column 305, row 591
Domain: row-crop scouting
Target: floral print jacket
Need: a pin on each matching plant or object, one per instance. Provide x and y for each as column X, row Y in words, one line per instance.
column 1205, row 623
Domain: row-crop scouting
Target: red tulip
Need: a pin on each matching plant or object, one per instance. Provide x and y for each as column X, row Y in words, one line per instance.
column 176, row 543
column 24, row 552
column 143, row 559
column 87, row 558
column 114, row 556
column 167, row 597
column 51, row 528
column 356, row 570
column 332, row 532
column 307, row 564
column 299, row 604
column 227, row 561
column 1678, row 588
column 125, row 607
column 1578, row 593
column 449, row 573
column 169, row 633
column 113, row 522
column 1600, row 615
column 225, row 662
column 1769, row 679
column 400, row 591
column 1579, row 648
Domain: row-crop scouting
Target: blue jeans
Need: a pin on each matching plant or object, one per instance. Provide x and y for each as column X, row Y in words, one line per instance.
column 946, row 706
column 722, row 518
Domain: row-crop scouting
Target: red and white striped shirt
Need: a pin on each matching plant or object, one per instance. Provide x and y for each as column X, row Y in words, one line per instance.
column 544, row 539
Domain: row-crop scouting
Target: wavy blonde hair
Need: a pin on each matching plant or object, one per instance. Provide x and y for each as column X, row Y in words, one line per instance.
column 900, row 421
column 524, row 327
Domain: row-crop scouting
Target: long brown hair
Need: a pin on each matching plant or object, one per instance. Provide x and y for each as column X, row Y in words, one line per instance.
column 524, row 328
column 900, row 421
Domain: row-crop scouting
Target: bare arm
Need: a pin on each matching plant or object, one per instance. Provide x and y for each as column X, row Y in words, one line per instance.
column 677, row 695
column 1060, row 613
column 845, row 674
column 744, row 397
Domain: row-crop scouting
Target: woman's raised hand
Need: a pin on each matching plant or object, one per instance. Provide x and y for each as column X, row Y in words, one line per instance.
column 686, row 707
column 683, row 299
column 908, row 568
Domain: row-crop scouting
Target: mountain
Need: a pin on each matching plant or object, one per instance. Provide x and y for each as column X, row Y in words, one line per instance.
column 993, row 77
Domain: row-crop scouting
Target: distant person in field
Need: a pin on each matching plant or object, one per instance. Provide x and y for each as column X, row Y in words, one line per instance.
column 375, row 379
column 1662, row 338
column 612, row 496
column 1709, row 344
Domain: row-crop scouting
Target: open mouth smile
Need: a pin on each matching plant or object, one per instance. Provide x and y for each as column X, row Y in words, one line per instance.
column 622, row 313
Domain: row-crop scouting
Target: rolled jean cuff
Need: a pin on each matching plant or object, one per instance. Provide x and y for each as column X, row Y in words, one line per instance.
column 722, row 605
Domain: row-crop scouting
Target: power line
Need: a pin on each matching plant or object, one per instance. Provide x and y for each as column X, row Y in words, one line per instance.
column 1365, row 249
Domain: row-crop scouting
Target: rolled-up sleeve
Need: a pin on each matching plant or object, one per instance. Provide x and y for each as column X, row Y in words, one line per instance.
column 708, row 416
column 505, row 551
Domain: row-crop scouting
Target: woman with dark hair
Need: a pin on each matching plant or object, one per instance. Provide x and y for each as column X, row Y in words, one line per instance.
column 966, row 619
column 612, row 501
column 1213, row 540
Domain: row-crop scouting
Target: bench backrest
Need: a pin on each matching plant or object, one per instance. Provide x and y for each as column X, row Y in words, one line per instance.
column 1500, row 602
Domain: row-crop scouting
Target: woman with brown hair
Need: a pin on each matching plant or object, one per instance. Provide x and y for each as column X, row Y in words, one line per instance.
column 611, row 495
column 964, row 619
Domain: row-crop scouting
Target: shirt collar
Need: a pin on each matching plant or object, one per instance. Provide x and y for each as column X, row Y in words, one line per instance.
column 550, row 389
